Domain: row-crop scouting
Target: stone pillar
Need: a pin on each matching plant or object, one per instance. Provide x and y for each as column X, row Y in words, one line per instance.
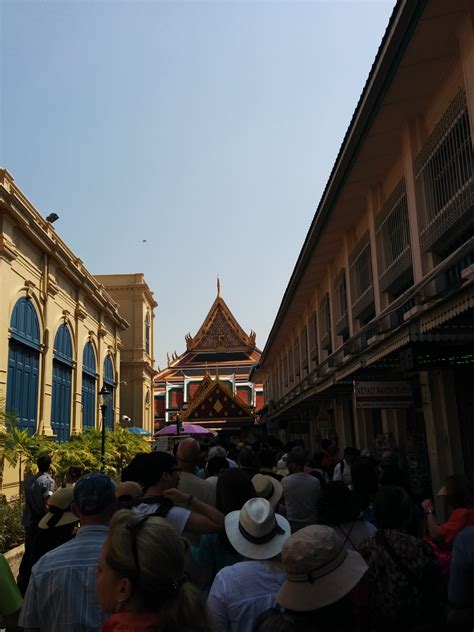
column 342, row 415
column 364, row 428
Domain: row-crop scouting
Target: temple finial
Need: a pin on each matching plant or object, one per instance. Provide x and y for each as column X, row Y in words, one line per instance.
column 218, row 286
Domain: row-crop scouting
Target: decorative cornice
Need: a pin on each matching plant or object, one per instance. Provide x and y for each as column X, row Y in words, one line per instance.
column 8, row 250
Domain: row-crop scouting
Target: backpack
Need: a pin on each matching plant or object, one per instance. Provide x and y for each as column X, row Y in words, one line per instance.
column 164, row 504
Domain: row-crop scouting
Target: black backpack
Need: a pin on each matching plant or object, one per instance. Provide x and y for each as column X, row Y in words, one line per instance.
column 164, row 504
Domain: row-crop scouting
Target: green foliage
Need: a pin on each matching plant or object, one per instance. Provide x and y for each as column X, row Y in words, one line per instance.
column 11, row 530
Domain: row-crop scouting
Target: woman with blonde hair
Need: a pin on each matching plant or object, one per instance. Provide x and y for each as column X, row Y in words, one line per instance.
column 140, row 578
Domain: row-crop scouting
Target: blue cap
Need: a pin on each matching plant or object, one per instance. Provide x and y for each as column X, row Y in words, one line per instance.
column 93, row 493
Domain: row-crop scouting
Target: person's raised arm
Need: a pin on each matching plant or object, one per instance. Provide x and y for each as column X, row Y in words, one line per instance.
column 203, row 519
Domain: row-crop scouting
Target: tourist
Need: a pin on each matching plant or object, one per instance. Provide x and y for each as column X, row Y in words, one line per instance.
column 219, row 450
column 391, row 473
column 128, row 494
column 339, row 508
column 73, row 474
column 365, row 486
column 10, row 597
column 161, row 476
column 268, row 462
column 134, row 470
column 300, row 492
column 37, row 489
column 342, row 471
column 459, row 495
column 268, row 487
column 141, row 578
column 320, row 577
column 215, row 551
column 247, row 462
column 61, row 595
column 189, row 482
column 241, row 592
column 461, row 579
column 405, row 581
column 214, row 467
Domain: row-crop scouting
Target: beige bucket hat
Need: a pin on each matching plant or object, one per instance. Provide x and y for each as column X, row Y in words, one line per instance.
column 59, row 513
column 319, row 569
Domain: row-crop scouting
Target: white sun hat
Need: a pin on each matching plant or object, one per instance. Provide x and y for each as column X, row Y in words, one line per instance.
column 255, row 531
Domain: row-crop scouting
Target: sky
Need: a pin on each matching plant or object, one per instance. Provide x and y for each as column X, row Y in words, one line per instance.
column 208, row 129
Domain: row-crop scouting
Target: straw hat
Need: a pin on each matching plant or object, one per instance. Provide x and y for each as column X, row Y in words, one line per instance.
column 319, row 569
column 282, row 467
column 255, row 531
column 59, row 512
column 268, row 487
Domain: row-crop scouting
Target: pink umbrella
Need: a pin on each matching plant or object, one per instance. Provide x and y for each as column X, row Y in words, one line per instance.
column 189, row 429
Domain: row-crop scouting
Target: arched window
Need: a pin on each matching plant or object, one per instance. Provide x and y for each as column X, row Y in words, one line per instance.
column 89, row 379
column 109, row 381
column 62, row 380
column 23, row 364
column 147, row 332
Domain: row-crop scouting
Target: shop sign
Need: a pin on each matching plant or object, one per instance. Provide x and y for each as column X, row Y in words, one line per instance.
column 383, row 394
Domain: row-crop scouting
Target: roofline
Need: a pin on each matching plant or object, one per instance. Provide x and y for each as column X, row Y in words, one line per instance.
column 402, row 23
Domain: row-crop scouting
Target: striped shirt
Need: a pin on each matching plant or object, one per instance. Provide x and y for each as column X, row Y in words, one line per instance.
column 61, row 595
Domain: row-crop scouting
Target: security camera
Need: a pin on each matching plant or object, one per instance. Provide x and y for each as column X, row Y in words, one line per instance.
column 125, row 418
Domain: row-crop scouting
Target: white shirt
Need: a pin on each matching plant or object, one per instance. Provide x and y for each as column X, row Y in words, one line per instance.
column 177, row 516
column 301, row 492
column 198, row 487
column 241, row 592
column 354, row 533
column 345, row 476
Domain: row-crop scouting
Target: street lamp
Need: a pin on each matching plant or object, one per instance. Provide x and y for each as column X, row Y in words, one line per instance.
column 104, row 395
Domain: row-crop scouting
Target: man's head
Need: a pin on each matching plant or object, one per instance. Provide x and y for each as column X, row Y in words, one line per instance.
column 296, row 460
column 44, row 462
column 350, row 455
column 267, row 458
column 94, row 498
column 188, row 454
column 160, row 471
column 216, row 465
column 246, row 458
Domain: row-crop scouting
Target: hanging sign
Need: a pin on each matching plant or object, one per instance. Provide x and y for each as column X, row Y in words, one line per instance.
column 383, row 394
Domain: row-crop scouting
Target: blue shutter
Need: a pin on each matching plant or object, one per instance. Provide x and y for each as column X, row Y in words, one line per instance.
column 88, row 387
column 23, row 365
column 109, row 381
column 62, row 381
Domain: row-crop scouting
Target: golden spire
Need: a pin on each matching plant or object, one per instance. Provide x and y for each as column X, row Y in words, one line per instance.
column 218, row 286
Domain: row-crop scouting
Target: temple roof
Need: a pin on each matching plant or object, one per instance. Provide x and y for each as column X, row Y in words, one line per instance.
column 215, row 403
column 220, row 342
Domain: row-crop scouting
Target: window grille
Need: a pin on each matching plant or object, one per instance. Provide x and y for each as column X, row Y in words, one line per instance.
column 444, row 176
column 291, row 362
column 304, row 347
column 313, row 338
column 392, row 235
column 296, row 356
column 360, row 272
column 325, row 323
column 340, row 303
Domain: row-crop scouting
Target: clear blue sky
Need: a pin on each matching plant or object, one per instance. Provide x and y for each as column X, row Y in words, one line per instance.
column 207, row 128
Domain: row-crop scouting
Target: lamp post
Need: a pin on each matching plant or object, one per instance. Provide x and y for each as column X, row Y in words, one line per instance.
column 104, row 394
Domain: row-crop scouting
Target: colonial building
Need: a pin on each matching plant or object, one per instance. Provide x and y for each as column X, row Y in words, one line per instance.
column 374, row 338
column 136, row 305
column 221, row 349
column 60, row 330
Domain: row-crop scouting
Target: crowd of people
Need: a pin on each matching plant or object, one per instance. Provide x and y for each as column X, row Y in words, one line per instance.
column 242, row 538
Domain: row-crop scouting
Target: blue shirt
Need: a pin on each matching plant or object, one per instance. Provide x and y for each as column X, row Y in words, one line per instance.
column 61, row 595
column 461, row 577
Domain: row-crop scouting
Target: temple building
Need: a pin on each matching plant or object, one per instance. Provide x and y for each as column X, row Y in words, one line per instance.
column 214, row 368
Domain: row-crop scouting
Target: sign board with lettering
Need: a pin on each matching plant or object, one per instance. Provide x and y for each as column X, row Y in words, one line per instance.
column 383, row 394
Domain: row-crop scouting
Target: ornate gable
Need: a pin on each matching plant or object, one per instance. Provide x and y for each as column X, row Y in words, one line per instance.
column 220, row 331
column 216, row 403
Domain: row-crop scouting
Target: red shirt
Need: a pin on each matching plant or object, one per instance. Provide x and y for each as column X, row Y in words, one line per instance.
column 460, row 518
column 131, row 622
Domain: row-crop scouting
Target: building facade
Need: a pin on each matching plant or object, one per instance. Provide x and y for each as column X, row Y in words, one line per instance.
column 60, row 330
column 220, row 349
column 373, row 342
column 136, row 305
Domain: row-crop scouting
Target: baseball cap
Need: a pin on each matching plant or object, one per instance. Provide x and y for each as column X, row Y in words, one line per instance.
column 93, row 493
